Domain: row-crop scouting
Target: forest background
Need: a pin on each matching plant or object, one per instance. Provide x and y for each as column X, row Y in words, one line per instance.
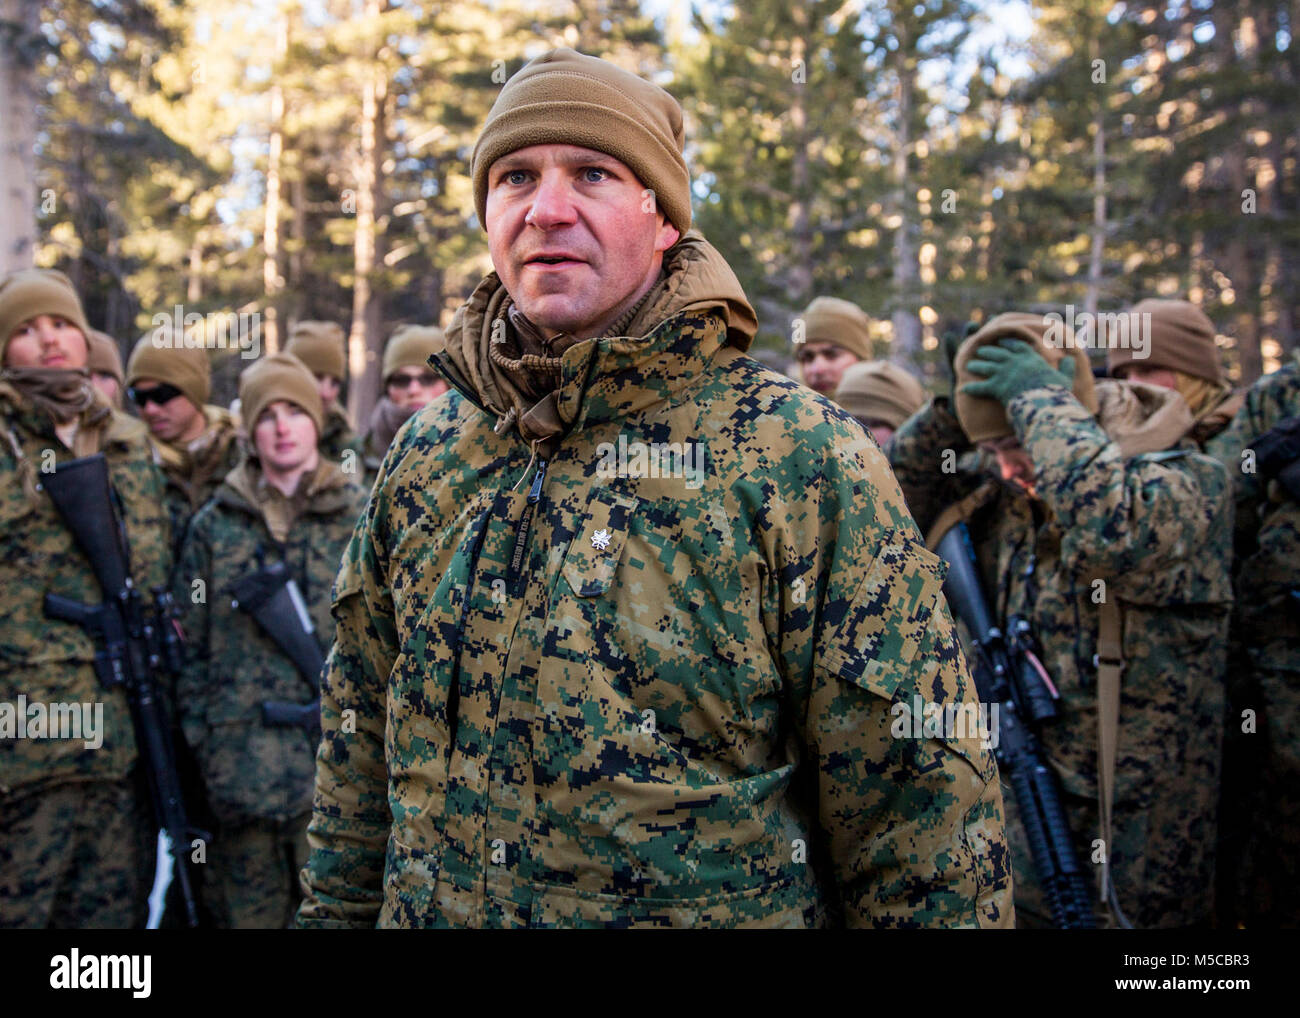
column 934, row 162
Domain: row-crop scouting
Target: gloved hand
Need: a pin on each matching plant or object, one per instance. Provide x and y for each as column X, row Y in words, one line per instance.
column 1013, row 367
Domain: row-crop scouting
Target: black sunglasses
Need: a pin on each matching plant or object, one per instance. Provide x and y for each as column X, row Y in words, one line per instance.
column 159, row 394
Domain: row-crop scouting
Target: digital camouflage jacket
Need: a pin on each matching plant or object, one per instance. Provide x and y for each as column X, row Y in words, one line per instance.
column 593, row 692
column 47, row 661
column 1152, row 531
column 251, row 770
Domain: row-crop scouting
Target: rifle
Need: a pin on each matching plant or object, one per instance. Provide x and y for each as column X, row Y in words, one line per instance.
column 1007, row 672
column 270, row 595
column 133, row 641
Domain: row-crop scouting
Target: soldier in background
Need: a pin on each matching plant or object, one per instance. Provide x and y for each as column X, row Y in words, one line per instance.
column 70, row 856
column 1266, row 630
column 409, row 385
column 194, row 443
column 105, row 365
column 585, row 694
column 284, row 502
column 881, row 396
column 322, row 347
column 1105, row 515
column 836, row 335
column 1183, row 357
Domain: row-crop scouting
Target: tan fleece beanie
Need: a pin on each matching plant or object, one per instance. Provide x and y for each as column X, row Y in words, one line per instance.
column 1182, row 339
column 274, row 377
column 984, row 418
column 104, row 355
column 831, row 320
column 567, row 98
column 880, row 391
column 410, row 347
column 319, row 345
column 30, row 292
column 162, row 355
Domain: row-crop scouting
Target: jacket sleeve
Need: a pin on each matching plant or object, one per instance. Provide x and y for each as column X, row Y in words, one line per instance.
column 348, row 834
column 924, row 455
column 1117, row 516
column 911, row 819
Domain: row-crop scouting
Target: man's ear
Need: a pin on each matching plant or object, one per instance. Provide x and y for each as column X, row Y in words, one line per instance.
column 667, row 236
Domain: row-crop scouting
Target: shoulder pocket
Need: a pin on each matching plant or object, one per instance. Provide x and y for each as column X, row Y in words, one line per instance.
column 882, row 627
column 597, row 545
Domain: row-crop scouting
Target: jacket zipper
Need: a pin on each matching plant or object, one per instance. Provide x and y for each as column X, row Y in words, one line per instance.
column 526, row 522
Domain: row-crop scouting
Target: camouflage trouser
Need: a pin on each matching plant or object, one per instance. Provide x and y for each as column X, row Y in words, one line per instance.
column 69, row 858
column 253, row 870
column 1271, row 881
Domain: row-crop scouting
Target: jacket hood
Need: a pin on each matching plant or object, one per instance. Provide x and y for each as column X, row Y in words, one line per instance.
column 1142, row 418
column 696, row 283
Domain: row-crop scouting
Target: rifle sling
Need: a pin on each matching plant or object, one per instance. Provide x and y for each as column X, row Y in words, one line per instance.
column 959, row 512
column 1110, row 665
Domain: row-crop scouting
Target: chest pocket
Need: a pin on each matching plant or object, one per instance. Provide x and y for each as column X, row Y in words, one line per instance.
column 597, row 546
column 887, row 618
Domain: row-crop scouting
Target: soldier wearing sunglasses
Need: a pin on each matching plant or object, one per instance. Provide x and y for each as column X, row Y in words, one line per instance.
column 169, row 384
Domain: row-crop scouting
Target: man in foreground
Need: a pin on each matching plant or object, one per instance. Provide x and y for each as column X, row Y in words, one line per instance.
column 622, row 633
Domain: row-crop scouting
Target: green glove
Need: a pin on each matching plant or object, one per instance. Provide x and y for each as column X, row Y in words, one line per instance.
column 1013, row 367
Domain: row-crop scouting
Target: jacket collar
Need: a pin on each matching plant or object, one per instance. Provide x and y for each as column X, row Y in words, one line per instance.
column 698, row 307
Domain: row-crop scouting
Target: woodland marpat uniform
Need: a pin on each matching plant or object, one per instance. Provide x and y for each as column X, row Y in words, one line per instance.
column 258, row 778
column 633, row 702
column 52, row 872
column 1155, row 529
column 1267, row 629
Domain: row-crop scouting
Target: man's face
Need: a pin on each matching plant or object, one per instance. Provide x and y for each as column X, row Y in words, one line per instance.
column 329, row 387
column 169, row 413
column 46, row 341
column 573, row 236
column 1014, row 465
column 1162, row 377
column 823, row 365
column 285, row 436
column 414, row 387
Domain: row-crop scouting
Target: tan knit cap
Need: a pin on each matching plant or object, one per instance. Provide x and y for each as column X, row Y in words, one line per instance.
column 984, row 418
column 880, row 391
column 567, row 98
column 162, row 354
column 1182, row 339
column 30, row 292
column 274, row 377
column 410, row 347
column 104, row 356
column 321, row 346
column 831, row 320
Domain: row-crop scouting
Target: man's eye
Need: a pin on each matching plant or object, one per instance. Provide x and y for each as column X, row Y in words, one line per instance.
column 594, row 174
column 515, row 177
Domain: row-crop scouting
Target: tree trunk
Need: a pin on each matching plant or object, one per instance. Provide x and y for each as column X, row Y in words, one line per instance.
column 272, row 280
column 1093, row 292
column 907, row 326
column 365, row 343
column 801, row 271
column 19, row 32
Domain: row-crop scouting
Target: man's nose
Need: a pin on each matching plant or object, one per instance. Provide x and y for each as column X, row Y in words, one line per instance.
column 552, row 202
